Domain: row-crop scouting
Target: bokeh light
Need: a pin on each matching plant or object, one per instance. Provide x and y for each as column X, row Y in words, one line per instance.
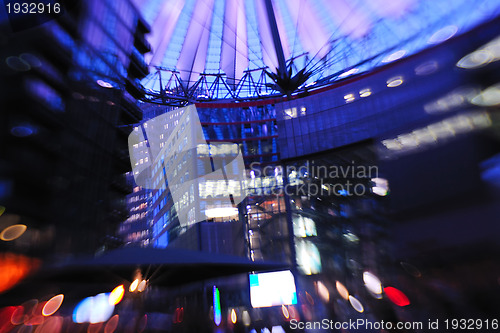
column 15, row 267
column 52, row 305
column 356, row 304
column 13, row 232
column 342, row 290
column 112, row 324
column 234, row 317
column 372, row 283
column 116, row 295
column 133, row 285
column 93, row 309
column 396, row 296
column 142, row 286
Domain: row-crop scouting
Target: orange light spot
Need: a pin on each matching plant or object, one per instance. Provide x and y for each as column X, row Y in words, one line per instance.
column 112, row 324
column 134, row 285
column 116, row 295
column 52, row 305
column 342, row 290
column 13, row 268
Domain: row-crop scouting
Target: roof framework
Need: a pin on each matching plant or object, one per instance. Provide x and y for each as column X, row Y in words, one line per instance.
column 248, row 49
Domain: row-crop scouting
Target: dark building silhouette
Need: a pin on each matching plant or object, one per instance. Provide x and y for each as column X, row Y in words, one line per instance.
column 69, row 90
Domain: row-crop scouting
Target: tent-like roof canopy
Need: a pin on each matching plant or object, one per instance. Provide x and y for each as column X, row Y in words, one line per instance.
column 221, row 49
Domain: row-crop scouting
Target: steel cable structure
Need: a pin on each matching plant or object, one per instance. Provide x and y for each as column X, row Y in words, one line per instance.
column 204, row 50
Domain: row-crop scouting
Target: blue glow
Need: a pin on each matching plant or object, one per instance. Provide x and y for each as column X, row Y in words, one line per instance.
column 93, row 310
column 23, row 131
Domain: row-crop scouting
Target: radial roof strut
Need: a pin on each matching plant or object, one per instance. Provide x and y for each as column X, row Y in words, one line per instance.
column 276, row 37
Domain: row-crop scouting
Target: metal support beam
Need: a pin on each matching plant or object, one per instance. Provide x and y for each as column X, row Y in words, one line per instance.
column 276, row 36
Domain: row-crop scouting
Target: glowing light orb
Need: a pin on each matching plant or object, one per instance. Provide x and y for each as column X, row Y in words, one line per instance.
column 394, row 82
column 134, row 285
column 234, row 318
column 285, row 312
column 13, row 232
column 112, row 324
column 116, row 295
column 52, row 305
column 396, row 296
column 372, row 283
column 141, row 286
column 356, row 304
column 342, row 290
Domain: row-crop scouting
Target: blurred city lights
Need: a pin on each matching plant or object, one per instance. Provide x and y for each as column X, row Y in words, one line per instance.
column 93, row 310
column 342, row 290
column 349, row 72
column 142, row 286
column 381, row 187
column 394, row 56
column 32, row 60
column 112, row 324
column 17, row 64
column 221, row 212
column 481, row 57
column 476, row 59
column 13, row 232
column 245, row 318
column 372, row 283
column 216, row 305
column 178, row 315
column 444, row 129
column 277, row 329
column 443, row 34
column 395, row 81
column 13, row 268
column 488, row 97
column 285, row 312
column 22, row 131
column 323, row 291
column 365, row 92
column 396, row 296
column 104, row 84
column 134, row 285
column 53, row 324
column 52, row 305
column 349, row 98
column 2, row 210
column 426, row 68
column 116, row 295
column 455, row 99
column 356, row 304
column 23, row 312
column 234, row 318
